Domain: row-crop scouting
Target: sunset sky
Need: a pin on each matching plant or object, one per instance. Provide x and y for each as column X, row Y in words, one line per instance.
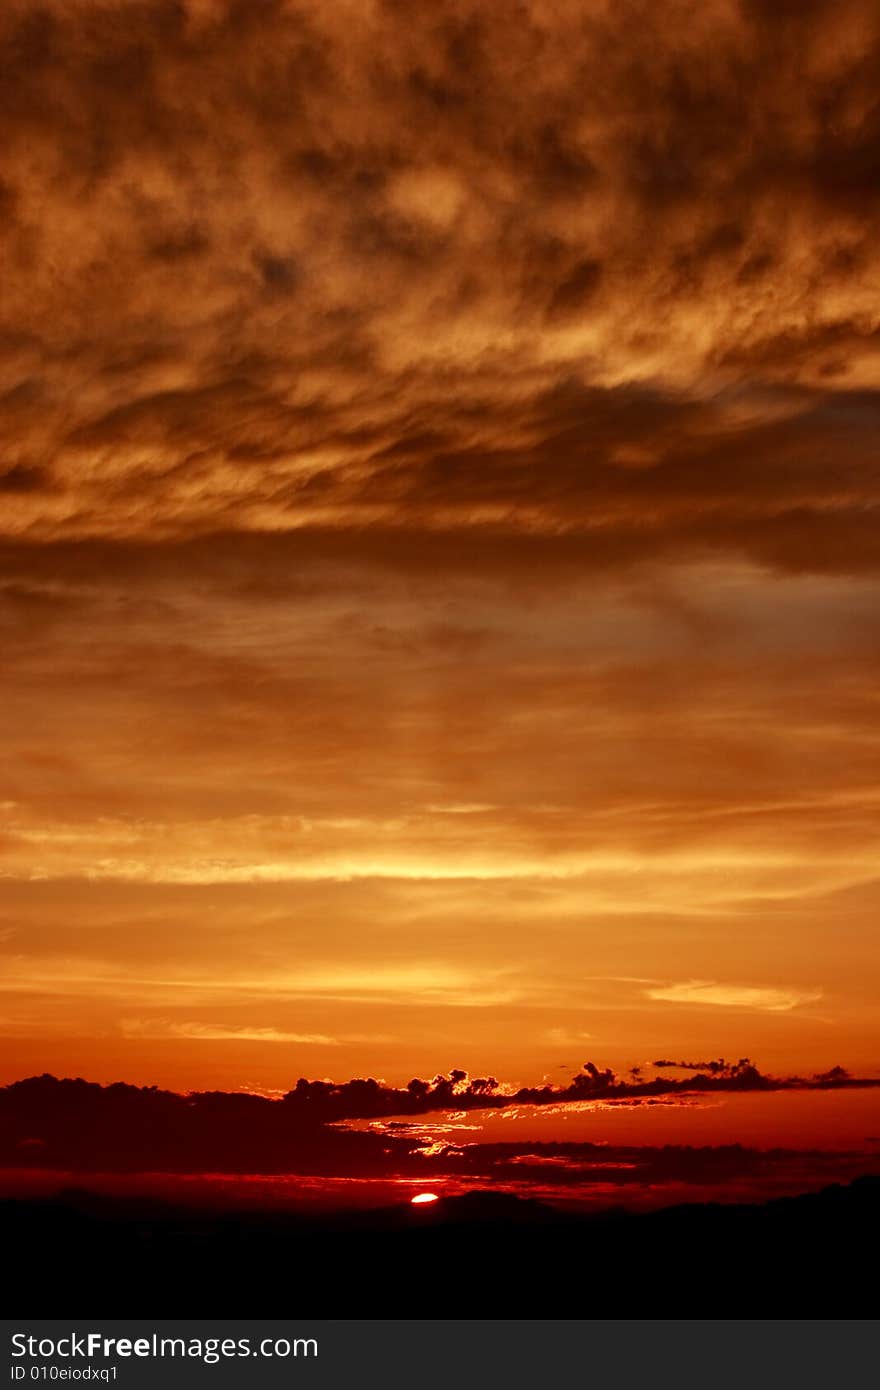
column 440, row 549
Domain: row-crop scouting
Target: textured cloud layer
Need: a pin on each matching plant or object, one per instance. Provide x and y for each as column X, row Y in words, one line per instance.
column 438, row 532
column 535, row 268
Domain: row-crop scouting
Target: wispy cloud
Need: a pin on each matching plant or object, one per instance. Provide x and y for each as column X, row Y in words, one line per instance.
column 225, row 1032
column 709, row 994
column 428, row 982
column 568, row 1036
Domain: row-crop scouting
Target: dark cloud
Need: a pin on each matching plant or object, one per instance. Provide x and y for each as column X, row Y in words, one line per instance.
column 75, row 1125
column 326, row 1102
column 416, row 231
column 21, row 478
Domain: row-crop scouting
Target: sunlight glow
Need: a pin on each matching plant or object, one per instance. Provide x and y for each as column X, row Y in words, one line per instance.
column 422, row 1197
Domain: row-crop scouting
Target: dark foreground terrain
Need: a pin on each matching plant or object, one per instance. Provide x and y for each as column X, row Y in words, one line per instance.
column 480, row 1255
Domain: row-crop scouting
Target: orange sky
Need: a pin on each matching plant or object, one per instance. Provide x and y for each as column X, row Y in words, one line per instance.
column 439, row 543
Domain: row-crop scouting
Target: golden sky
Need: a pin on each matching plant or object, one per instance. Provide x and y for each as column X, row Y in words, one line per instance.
column 439, row 543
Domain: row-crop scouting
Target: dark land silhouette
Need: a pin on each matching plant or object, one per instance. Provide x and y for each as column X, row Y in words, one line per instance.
column 482, row 1254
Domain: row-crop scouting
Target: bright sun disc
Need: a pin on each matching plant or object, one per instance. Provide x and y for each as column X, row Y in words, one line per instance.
column 422, row 1197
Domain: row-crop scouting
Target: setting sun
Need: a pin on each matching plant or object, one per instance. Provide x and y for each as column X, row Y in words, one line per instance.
column 421, row 1198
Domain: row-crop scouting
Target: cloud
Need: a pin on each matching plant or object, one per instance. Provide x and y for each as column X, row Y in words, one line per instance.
column 519, row 843
column 612, row 301
column 439, row 525
column 219, row 1032
column 122, row 1127
column 368, row 981
column 569, row 1037
column 707, row 993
